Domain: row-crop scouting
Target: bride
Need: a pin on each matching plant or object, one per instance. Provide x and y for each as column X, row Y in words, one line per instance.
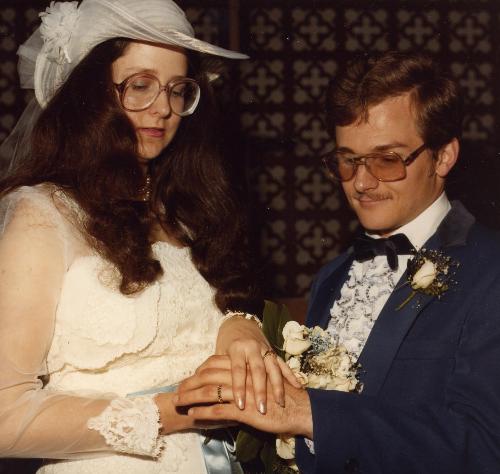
column 122, row 256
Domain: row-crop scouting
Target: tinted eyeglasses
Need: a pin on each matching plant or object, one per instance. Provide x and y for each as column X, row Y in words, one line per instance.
column 385, row 166
column 140, row 91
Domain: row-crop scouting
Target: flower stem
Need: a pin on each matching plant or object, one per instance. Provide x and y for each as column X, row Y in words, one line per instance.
column 407, row 300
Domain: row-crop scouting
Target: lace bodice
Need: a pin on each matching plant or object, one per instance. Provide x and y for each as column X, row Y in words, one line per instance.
column 91, row 344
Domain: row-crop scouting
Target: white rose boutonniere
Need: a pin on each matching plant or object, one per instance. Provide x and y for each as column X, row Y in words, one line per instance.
column 318, row 362
column 425, row 275
column 429, row 272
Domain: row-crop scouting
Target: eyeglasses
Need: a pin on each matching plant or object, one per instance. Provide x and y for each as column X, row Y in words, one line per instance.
column 384, row 166
column 140, row 91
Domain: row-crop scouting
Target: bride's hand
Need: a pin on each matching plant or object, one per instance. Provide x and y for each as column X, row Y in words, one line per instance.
column 208, row 396
column 245, row 344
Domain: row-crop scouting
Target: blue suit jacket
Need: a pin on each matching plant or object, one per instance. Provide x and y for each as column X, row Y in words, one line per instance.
column 431, row 371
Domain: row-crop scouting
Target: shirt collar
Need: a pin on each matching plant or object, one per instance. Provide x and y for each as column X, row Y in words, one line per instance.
column 420, row 229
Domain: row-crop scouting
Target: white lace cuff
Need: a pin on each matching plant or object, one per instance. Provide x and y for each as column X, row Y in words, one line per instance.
column 131, row 425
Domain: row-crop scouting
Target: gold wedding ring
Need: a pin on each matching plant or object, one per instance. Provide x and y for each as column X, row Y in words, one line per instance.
column 268, row 353
column 219, row 394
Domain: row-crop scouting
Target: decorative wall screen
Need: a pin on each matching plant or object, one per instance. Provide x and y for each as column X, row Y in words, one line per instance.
column 296, row 47
column 300, row 218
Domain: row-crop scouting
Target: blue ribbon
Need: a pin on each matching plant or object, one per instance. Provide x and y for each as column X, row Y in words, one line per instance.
column 218, row 448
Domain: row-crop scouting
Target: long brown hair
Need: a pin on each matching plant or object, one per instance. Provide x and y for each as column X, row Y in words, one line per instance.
column 84, row 143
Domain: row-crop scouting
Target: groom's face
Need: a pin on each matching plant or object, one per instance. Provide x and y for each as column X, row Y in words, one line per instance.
column 383, row 207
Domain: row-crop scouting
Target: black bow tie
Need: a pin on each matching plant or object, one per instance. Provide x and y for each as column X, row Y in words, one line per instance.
column 366, row 248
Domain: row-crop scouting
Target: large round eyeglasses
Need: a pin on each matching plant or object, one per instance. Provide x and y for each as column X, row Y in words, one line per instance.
column 140, row 91
column 385, row 166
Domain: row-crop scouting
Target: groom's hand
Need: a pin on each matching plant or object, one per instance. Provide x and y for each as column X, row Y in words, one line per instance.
column 202, row 394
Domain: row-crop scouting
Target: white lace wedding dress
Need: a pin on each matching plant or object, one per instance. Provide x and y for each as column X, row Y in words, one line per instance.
column 63, row 321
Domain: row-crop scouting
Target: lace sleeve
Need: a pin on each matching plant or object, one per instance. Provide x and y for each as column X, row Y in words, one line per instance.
column 131, row 426
column 35, row 421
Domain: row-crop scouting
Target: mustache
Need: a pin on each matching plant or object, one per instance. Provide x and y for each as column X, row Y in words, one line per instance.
column 371, row 196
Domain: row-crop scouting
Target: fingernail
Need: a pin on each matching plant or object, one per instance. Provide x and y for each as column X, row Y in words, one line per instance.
column 262, row 407
column 190, row 411
column 241, row 403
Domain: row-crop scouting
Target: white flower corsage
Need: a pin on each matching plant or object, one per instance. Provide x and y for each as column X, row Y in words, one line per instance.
column 429, row 272
column 59, row 22
column 318, row 362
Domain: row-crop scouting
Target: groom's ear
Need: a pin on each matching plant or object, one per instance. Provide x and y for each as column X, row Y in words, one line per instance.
column 446, row 158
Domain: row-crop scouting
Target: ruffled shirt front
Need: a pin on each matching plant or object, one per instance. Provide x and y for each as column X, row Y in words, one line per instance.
column 369, row 284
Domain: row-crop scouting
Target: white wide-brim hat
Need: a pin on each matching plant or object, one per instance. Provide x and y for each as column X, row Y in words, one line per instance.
column 68, row 32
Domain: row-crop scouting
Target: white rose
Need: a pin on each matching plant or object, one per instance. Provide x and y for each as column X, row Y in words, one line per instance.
column 325, row 360
column 294, row 364
column 344, row 364
column 424, row 276
column 285, row 447
column 294, row 343
column 291, row 328
column 317, row 331
column 318, row 381
column 296, row 346
column 335, row 361
column 341, row 384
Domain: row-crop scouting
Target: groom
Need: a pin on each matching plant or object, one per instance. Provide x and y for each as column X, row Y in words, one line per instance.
column 430, row 366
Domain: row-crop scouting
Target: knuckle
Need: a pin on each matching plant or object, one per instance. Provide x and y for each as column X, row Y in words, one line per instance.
column 239, row 367
column 211, row 360
column 207, row 373
column 259, row 368
column 218, row 410
column 237, row 343
column 214, row 373
column 207, row 391
column 238, row 390
column 255, row 345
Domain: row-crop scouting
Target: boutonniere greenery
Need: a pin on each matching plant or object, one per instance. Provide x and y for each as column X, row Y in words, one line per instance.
column 429, row 272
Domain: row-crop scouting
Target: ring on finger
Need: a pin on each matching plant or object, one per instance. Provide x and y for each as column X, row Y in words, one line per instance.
column 269, row 352
column 219, row 394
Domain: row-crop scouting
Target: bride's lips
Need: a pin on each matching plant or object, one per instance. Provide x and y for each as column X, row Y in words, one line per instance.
column 152, row 132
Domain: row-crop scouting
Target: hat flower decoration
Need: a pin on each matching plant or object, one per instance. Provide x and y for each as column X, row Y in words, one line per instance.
column 59, row 21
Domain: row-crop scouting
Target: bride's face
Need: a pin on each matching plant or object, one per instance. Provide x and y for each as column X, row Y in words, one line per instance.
column 155, row 126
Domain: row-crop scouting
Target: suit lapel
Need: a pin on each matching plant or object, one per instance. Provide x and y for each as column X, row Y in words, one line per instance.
column 387, row 334
column 393, row 324
column 329, row 291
